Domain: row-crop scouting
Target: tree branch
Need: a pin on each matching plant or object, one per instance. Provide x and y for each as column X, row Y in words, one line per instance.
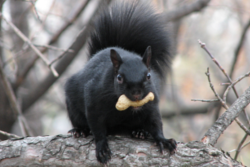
column 64, row 150
column 185, row 110
column 25, row 39
column 25, row 72
column 70, row 22
column 185, row 10
column 237, row 51
column 9, row 134
column 227, row 118
column 240, row 146
column 231, row 82
column 35, row 93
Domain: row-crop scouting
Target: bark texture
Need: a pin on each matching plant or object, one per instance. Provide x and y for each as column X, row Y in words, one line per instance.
column 63, row 150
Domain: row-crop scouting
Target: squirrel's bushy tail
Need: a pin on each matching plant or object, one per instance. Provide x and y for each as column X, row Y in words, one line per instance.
column 133, row 26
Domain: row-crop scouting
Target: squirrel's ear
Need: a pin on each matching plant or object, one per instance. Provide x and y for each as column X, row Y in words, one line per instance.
column 116, row 59
column 147, row 56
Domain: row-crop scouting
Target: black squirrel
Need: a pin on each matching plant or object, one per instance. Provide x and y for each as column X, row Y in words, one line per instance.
column 129, row 54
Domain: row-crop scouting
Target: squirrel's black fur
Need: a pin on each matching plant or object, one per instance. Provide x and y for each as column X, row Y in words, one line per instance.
column 129, row 54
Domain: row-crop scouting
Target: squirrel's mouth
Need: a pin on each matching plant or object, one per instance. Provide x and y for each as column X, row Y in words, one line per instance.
column 136, row 108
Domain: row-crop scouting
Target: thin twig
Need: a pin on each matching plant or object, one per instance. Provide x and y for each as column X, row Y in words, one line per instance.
column 26, row 126
column 234, row 83
column 21, row 125
column 42, row 23
column 185, row 10
column 54, row 48
column 70, row 22
column 242, row 126
column 203, row 46
column 25, row 39
column 203, row 100
column 215, row 93
column 237, row 51
column 223, row 84
column 240, row 146
column 9, row 134
column 33, row 5
column 59, row 57
column 224, row 72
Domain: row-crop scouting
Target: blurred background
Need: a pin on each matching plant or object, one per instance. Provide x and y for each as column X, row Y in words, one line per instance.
column 60, row 28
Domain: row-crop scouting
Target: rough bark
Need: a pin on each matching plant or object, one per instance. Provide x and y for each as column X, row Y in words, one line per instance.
column 63, row 150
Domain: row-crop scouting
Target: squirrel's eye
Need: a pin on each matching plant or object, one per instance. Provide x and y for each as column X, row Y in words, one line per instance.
column 148, row 76
column 119, row 78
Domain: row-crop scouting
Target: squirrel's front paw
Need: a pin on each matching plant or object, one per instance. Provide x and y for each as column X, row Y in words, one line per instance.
column 103, row 153
column 170, row 144
column 140, row 134
column 76, row 132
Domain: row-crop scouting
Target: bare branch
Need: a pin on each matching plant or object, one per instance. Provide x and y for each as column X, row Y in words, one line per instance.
column 217, row 63
column 223, row 102
column 222, row 84
column 237, row 51
column 54, row 48
column 39, row 90
column 25, row 72
column 34, row 7
column 227, row 118
column 9, row 134
column 185, row 10
column 240, row 146
column 185, row 110
column 206, row 138
column 242, row 126
column 59, row 57
column 215, row 93
column 234, row 83
column 70, row 22
column 224, row 72
column 203, row 46
column 203, row 100
column 25, row 39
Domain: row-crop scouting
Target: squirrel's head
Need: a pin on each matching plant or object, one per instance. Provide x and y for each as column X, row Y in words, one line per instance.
column 132, row 74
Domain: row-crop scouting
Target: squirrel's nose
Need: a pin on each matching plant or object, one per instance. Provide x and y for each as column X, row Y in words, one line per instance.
column 137, row 94
column 137, row 97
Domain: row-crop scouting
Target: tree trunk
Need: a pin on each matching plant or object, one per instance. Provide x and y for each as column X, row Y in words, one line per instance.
column 7, row 117
column 63, row 150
